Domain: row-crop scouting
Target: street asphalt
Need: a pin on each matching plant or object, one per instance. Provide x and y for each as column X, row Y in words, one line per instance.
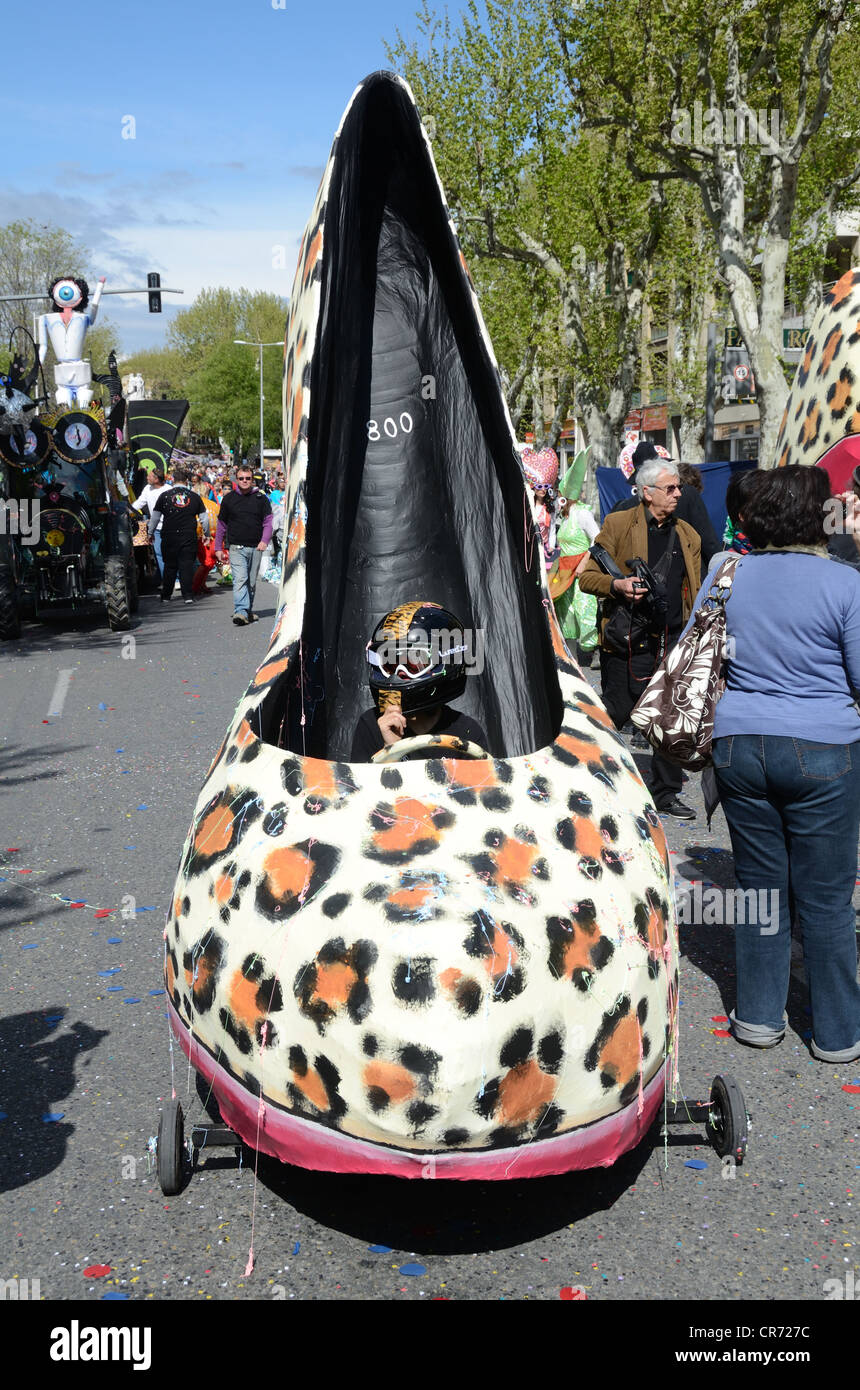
column 96, row 801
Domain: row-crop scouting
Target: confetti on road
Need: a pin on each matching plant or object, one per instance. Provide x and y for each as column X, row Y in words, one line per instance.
column 131, row 1001
column 413, row 1269
column 116, row 1295
column 577, row 1295
column 695, row 1163
column 853, row 1089
column 114, row 940
column 30, row 946
column 113, row 970
column 51, row 1116
column 380, row 1249
column 96, row 1271
column 719, row 1018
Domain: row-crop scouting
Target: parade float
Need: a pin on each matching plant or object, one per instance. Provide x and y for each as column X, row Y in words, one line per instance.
column 463, row 966
column 66, row 473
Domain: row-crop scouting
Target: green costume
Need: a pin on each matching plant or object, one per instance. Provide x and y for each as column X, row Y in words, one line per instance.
column 576, row 611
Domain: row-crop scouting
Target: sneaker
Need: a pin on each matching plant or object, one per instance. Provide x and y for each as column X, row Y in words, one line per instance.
column 677, row 808
column 239, row 619
column 188, row 600
column 252, row 618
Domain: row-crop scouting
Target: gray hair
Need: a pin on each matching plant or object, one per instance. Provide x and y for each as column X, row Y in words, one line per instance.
column 650, row 472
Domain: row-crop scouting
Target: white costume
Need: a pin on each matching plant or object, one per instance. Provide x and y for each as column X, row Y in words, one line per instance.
column 67, row 335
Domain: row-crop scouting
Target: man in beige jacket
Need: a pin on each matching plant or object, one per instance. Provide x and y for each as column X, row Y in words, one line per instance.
column 632, row 643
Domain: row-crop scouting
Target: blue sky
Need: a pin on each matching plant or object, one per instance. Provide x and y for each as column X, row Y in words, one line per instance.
column 235, row 103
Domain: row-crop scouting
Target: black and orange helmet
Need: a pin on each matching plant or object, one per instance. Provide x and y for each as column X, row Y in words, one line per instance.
column 416, row 657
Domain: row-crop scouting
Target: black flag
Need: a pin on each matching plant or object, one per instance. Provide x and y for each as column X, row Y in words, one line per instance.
column 152, row 427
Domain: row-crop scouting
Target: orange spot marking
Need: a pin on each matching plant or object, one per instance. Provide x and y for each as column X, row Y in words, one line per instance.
column 312, row 1088
column 783, row 458
column 807, row 356
column 319, row 779
column 396, row 1081
column 243, row 1000
column 334, row 983
column 577, row 953
column 204, row 971
column 841, row 395
column 656, row 932
column 297, row 538
column 177, row 906
column 514, row 860
column 854, row 427
column 413, row 822
column 450, row 978
column 595, row 712
column 468, row 772
column 270, row 670
column 215, row 830
column 659, row 837
column 588, row 837
column 831, row 347
column 842, row 289
column 223, row 889
column 505, row 954
column 415, row 896
column 809, row 433
column 524, row 1094
column 586, row 752
column 169, row 975
column 244, row 734
column 288, row 870
column 620, row 1054
column 313, row 255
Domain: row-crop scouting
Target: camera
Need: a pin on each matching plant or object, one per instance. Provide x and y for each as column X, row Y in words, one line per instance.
column 655, row 593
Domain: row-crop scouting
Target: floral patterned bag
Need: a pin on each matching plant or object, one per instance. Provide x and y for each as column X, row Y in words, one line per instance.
column 676, row 711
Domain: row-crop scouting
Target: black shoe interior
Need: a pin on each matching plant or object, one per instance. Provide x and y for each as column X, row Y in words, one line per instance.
column 414, row 489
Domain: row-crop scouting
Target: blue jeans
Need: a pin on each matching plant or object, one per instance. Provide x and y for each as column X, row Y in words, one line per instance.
column 793, row 810
column 245, row 564
column 156, row 545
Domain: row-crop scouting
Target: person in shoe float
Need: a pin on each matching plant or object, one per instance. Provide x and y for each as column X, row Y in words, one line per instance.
column 414, row 670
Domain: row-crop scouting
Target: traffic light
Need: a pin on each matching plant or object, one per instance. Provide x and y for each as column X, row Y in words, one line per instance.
column 153, row 281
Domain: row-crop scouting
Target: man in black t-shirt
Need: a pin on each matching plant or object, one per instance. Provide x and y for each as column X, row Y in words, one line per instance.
column 179, row 507
column 245, row 519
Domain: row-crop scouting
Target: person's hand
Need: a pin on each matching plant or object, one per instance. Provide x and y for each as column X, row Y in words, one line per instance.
column 632, row 589
column 392, row 726
column 223, row 556
column 262, row 546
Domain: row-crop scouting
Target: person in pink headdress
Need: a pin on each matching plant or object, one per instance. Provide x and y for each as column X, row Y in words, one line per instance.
column 541, row 470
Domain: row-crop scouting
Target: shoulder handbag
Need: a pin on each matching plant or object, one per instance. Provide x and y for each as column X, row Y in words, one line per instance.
column 676, row 711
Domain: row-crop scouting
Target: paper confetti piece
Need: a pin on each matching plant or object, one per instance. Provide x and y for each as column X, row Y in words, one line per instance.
column 77, row 904
column 156, row 991
column 853, row 1089
column 569, row 1293
column 380, row 1249
column 719, row 1018
column 413, row 1269
column 103, row 912
column 13, row 851
column 31, row 946
column 131, row 1001
column 51, row 1116
column 695, row 1163
column 113, row 970
column 116, row 1295
column 721, row 1032
column 53, row 1018
column 96, row 1271
column 115, row 989
column 297, row 1247
column 114, row 940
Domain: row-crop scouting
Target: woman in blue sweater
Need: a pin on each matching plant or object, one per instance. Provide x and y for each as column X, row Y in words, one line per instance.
column 787, row 761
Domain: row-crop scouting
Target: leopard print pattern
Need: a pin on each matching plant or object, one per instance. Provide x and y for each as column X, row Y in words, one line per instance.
column 433, row 956
column 824, row 402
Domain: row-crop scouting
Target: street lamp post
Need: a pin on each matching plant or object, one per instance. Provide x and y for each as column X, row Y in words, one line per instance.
column 245, row 342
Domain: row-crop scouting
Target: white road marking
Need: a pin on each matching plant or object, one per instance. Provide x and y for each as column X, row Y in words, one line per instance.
column 61, row 690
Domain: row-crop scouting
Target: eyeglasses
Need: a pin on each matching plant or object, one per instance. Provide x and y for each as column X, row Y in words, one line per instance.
column 666, row 487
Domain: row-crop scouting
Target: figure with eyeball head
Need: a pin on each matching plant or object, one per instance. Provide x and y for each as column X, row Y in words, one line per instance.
column 66, row 329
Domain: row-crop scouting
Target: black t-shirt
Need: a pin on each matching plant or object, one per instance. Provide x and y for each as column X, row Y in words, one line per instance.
column 368, row 740
column 180, row 508
column 659, row 537
column 243, row 515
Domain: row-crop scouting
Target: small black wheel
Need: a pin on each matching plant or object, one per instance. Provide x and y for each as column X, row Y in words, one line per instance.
column 170, row 1151
column 728, row 1128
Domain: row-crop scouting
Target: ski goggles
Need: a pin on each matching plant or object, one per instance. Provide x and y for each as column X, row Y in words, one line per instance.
column 411, row 663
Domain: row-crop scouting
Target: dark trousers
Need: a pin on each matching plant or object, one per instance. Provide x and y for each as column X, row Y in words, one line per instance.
column 793, row 809
column 180, row 556
column 623, row 679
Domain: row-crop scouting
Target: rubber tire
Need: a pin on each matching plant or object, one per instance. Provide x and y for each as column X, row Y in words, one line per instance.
column 10, row 618
column 730, row 1133
column 116, row 594
column 170, row 1149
